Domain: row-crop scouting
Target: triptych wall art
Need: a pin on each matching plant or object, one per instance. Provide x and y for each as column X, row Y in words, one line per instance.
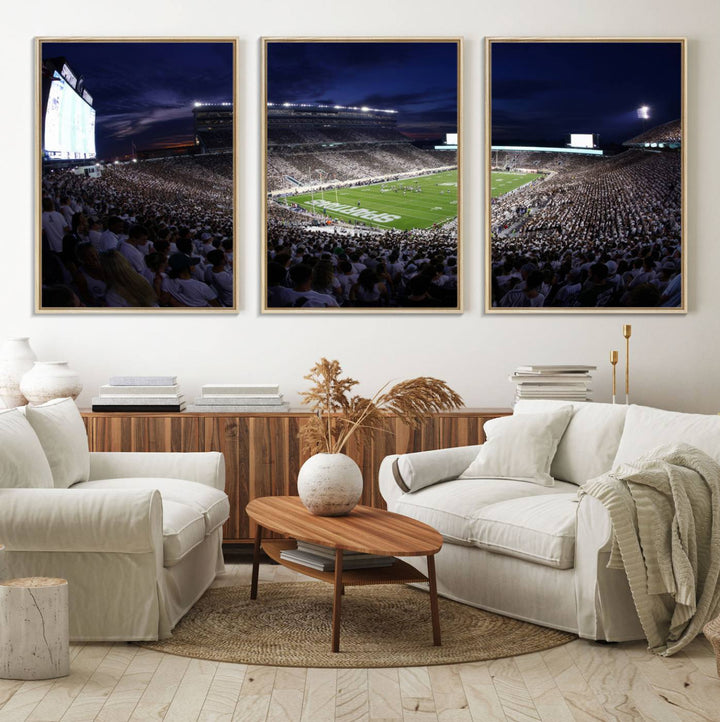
column 361, row 175
column 585, row 175
column 137, row 176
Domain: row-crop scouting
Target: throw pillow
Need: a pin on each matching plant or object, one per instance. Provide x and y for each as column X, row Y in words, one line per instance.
column 61, row 431
column 520, row 447
column 590, row 442
column 22, row 460
column 647, row 428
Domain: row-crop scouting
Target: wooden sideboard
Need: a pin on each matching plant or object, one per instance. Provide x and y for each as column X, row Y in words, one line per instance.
column 262, row 452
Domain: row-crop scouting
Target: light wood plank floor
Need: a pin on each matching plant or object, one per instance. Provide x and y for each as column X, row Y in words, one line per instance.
column 580, row 681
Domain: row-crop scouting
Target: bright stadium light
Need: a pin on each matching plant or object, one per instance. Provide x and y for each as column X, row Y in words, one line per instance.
column 643, row 112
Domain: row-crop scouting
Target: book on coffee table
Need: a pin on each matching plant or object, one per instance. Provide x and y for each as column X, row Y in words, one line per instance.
column 329, row 553
column 351, row 560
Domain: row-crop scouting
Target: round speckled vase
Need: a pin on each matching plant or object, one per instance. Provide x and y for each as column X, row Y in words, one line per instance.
column 49, row 380
column 330, row 484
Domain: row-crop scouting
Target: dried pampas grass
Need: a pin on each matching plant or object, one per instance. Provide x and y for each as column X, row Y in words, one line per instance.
column 339, row 415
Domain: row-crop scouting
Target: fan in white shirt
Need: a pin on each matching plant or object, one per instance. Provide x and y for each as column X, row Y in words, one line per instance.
column 136, row 247
column 54, row 225
column 110, row 239
column 185, row 289
column 219, row 277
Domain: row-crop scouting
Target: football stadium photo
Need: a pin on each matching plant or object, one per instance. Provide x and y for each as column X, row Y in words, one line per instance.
column 136, row 175
column 586, row 175
column 361, row 175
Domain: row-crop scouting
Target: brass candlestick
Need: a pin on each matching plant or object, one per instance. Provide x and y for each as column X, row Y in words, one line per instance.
column 613, row 361
column 627, row 331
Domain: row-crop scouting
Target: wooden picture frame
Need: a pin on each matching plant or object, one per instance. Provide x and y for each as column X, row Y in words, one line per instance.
column 585, row 175
column 136, row 175
column 361, row 175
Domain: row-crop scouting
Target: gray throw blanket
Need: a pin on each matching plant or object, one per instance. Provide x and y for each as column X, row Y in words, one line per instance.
column 665, row 512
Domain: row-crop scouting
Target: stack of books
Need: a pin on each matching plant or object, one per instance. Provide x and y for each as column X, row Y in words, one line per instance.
column 322, row 558
column 564, row 382
column 140, row 393
column 241, row 398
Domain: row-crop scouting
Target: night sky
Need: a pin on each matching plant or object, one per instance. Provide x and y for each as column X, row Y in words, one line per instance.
column 144, row 92
column 417, row 79
column 542, row 92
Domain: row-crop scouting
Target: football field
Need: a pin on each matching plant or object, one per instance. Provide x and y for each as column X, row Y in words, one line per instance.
column 418, row 202
column 503, row 183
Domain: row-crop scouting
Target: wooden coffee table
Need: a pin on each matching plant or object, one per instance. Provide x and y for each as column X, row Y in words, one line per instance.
column 364, row 529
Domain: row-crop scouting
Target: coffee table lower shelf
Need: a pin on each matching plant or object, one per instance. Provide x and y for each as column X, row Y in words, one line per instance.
column 399, row 572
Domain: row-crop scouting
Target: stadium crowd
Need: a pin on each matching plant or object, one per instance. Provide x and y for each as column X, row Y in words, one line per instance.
column 310, row 267
column 670, row 133
column 604, row 235
column 309, row 167
column 149, row 234
column 312, row 152
column 539, row 161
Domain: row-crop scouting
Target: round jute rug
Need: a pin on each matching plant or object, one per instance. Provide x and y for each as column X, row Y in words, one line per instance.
column 289, row 625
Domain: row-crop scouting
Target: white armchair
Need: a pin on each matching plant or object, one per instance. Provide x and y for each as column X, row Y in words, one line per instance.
column 138, row 536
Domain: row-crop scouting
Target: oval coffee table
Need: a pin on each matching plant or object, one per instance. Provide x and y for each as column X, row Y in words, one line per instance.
column 364, row 529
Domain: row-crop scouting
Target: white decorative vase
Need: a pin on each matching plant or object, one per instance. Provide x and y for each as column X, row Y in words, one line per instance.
column 16, row 358
column 330, row 484
column 49, row 380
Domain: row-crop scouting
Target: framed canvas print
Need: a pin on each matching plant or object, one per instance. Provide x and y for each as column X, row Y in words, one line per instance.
column 361, row 159
column 585, row 175
column 136, row 175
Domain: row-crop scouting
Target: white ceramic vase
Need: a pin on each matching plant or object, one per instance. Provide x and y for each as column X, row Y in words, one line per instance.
column 49, row 380
column 330, row 484
column 16, row 358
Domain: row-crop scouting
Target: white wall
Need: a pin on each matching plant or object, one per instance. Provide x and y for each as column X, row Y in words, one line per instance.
column 674, row 357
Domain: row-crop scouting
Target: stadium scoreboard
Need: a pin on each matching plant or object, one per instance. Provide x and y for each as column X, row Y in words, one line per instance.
column 68, row 116
column 583, row 140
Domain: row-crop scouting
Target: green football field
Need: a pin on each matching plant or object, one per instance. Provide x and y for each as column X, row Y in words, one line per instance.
column 505, row 182
column 395, row 204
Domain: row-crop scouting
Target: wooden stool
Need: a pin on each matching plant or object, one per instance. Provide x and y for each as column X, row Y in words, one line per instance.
column 34, row 628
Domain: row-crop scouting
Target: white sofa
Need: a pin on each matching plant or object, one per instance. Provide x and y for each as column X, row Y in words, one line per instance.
column 539, row 553
column 138, row 536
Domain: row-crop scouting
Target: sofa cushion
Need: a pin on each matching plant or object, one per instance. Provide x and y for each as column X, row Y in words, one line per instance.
column 453, row 508
column 211, row 503
column 61, row 431
column 23, row 463
column 520, row 447
column 183, row 530
column 591, row 439
column 647, row 428
column 540, row 529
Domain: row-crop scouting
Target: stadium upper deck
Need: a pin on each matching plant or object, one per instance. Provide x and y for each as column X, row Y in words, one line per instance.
column 213, row 126
column 666, row 136
column 303, row 124
column 310, row 144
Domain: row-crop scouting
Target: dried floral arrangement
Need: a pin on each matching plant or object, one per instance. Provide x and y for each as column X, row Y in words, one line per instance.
column 339, row 415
